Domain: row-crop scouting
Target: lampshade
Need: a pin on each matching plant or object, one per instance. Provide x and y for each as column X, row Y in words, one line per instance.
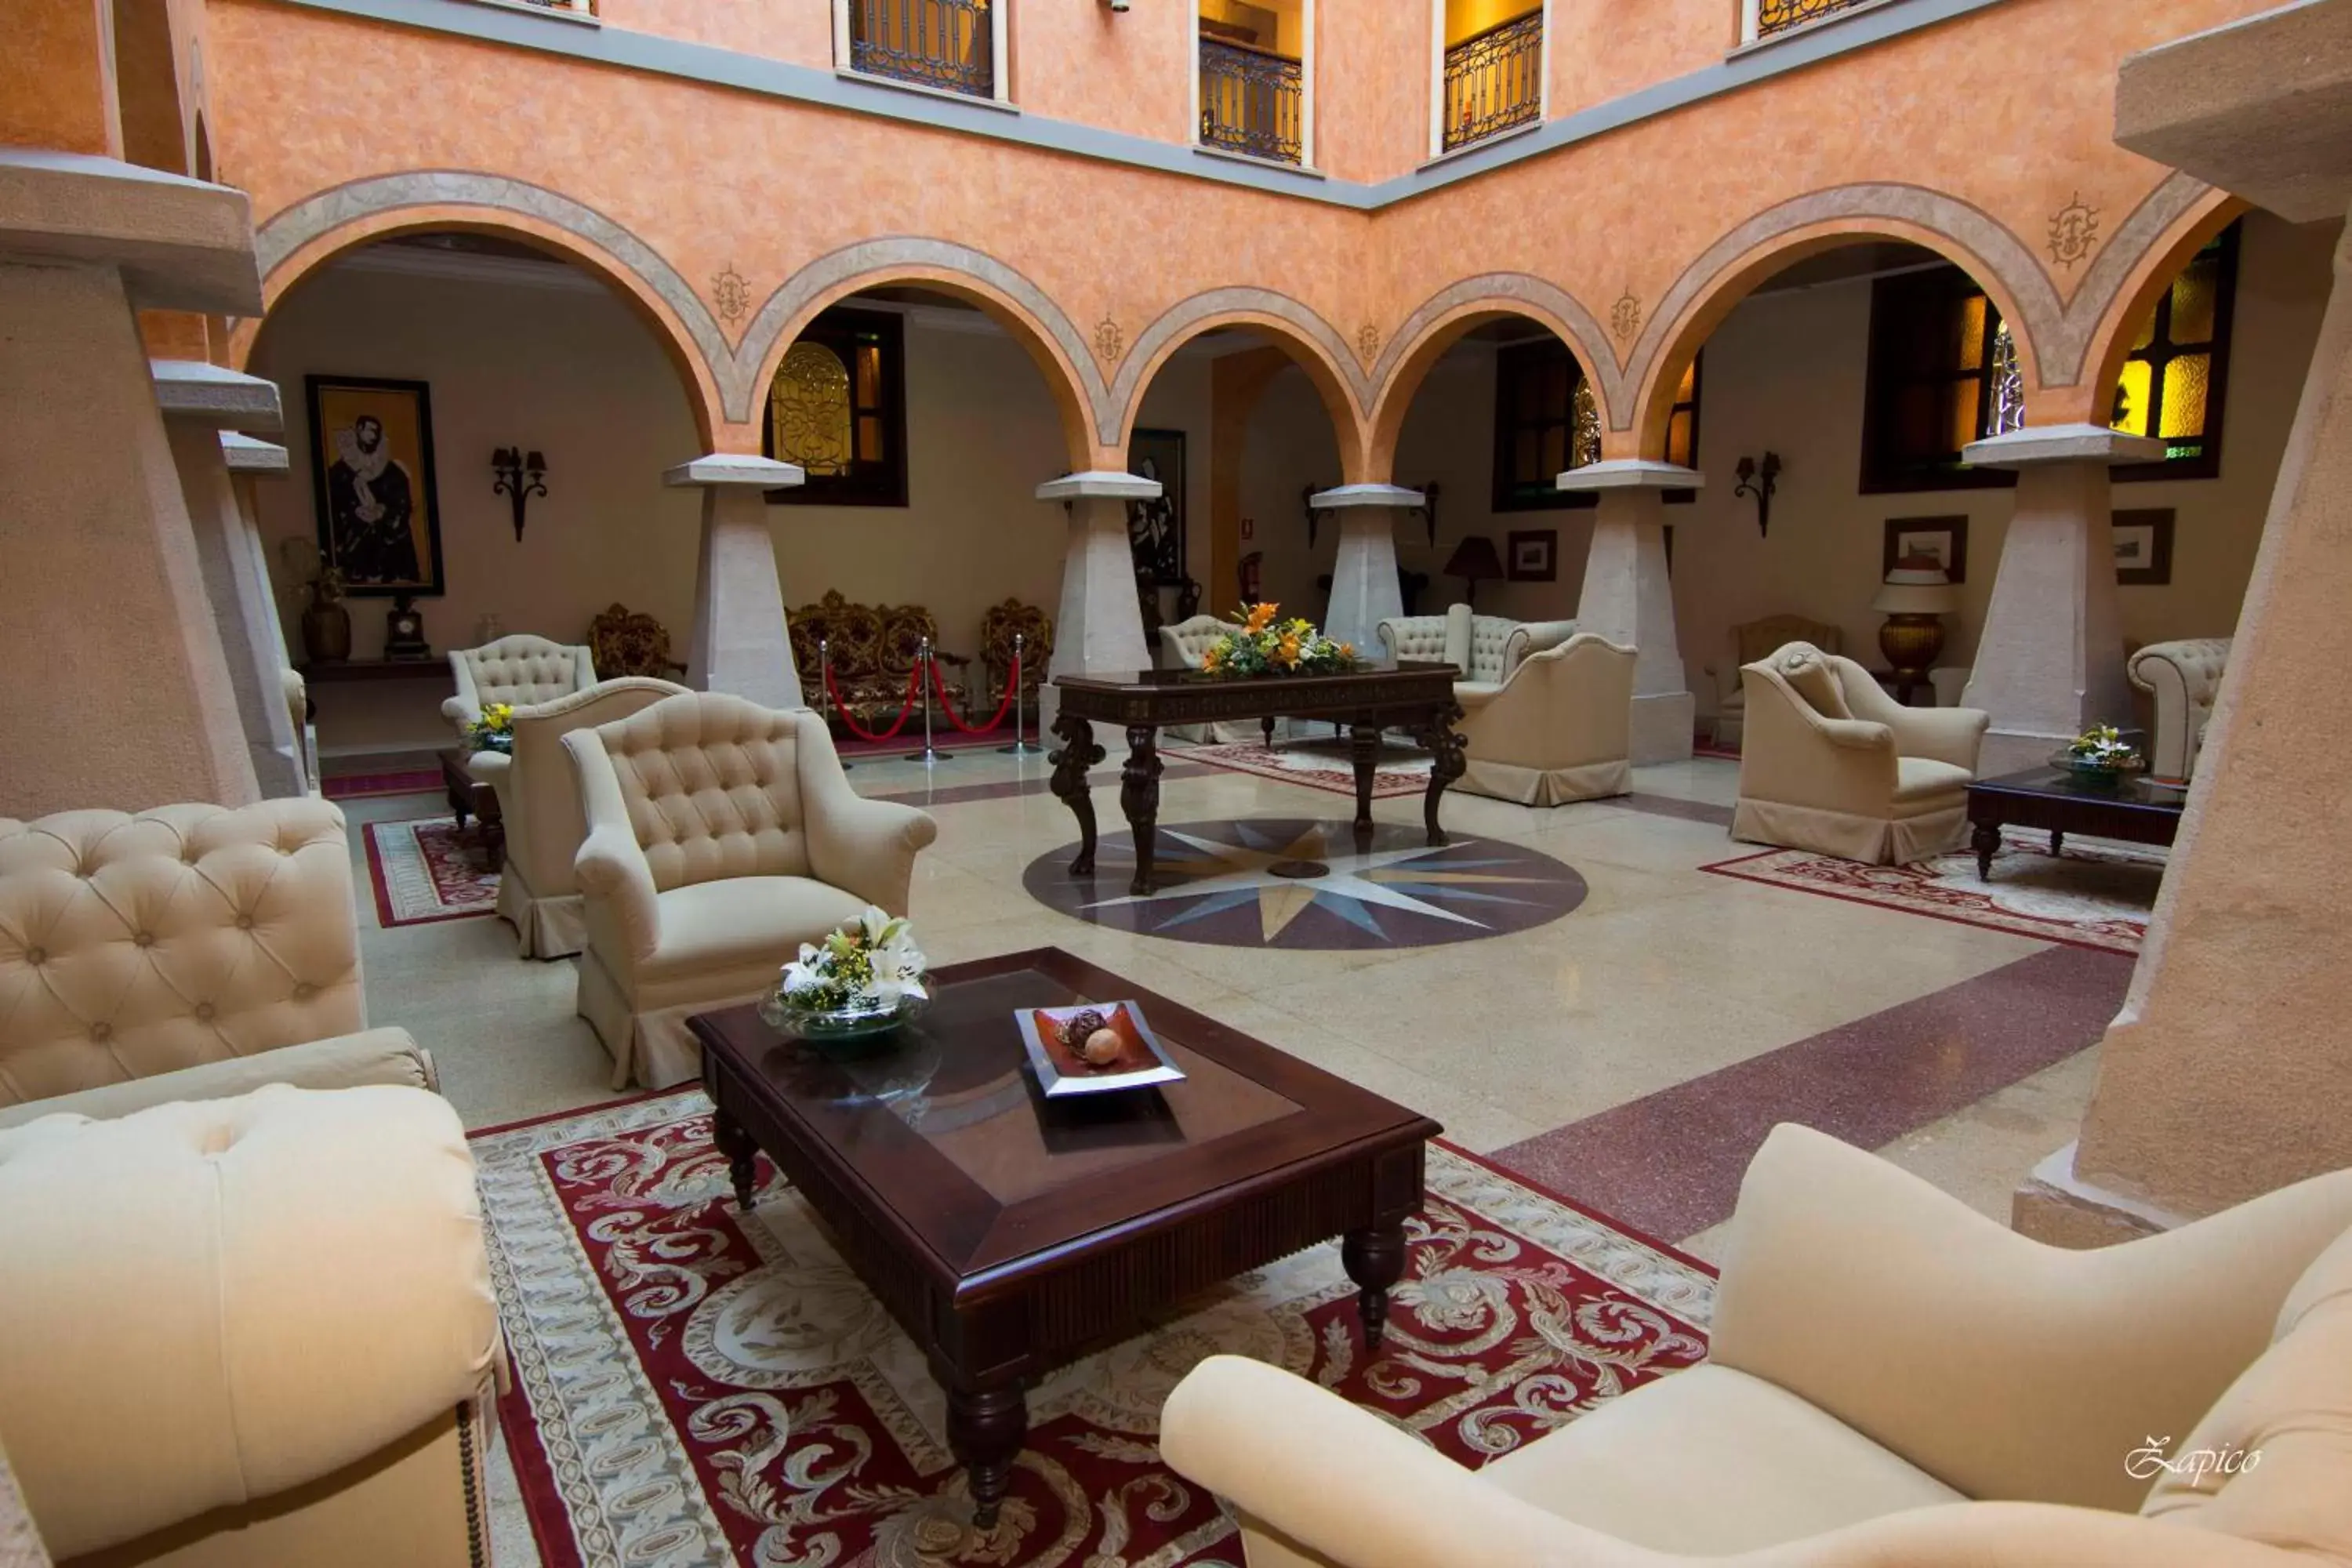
column 1475, row 559
column 1917, row 588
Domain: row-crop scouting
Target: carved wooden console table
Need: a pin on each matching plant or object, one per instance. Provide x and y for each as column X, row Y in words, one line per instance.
column 1415, row 697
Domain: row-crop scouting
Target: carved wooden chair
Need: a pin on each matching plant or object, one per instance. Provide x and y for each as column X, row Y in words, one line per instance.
column 629, row 642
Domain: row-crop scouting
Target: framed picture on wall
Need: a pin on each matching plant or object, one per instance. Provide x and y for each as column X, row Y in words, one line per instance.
column 2144, row 548
column 371, row 468
column 1531, row 555
column 1155, row 529
column 1943, row 540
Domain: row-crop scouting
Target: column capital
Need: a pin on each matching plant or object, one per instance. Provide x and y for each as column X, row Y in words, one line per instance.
column 1631, row 474
column 1341, row 496
column 734, row 469
column 2061, row 443
column 244, row 455
column 1111, row 484
column 205, row 393
column 180, row 244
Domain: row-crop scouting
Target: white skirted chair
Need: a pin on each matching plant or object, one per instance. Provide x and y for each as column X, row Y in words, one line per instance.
column 1557, row 729
column 1484, row 649
column 539, row 803
column 2185, row 678
column 721, row 834
column 1830, row 762
column 1758, row 639
column 1893, row 1379
column 519, row 668
column 1182, row 645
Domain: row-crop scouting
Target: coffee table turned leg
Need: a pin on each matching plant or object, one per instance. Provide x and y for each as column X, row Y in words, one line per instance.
column 1374, row 1259
column 1078, row 754
column 985, row 1428
column 1986, row 839
column 741, row 1154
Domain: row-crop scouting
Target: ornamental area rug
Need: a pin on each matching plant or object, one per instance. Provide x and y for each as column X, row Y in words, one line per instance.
column 694, row 1386
column 1320, row 764
column 2096, row 895
column 427, row 869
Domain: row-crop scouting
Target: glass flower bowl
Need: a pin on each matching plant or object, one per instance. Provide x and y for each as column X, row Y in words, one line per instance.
column 839, row 1026
column 2098, row 775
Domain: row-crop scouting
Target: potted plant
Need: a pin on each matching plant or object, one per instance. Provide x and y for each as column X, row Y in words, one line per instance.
column 2100, row 757
column 866, row 979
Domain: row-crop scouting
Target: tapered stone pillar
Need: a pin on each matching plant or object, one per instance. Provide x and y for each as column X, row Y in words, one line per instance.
column 1365, row 587
column 1627, row 599
column 1100, row 631
column 741, row 643
column 2050, row 660
column 199, row 400
column 118, row 693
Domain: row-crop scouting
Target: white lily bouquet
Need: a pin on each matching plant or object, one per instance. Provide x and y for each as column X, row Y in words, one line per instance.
column 870, row 968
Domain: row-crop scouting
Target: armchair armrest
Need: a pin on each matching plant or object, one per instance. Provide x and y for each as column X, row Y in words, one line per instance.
column 460, row 712
column 862, row 846
column 1325, row 1482
column 610, row 867
column 1954, row 735
column 2003, row 1367
column 1854, row 734
column 345, row 1061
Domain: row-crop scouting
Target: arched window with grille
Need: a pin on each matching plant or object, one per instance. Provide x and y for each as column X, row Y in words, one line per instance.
column 837, row 409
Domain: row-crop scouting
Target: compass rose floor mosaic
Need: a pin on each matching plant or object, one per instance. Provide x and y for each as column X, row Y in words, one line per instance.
column 1304, row 884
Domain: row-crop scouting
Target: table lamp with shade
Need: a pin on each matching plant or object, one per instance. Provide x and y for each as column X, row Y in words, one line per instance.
column 1475, row 560
column 1915, row 597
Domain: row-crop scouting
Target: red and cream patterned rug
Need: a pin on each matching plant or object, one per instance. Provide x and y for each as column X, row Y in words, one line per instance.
column 1398, row 769
column 427, row 869
column 2098, row 894
column 698, row 1386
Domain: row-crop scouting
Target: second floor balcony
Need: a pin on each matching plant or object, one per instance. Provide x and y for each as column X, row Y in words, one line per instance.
column 945, row 44
column 1253, row 101
column 1493, row 82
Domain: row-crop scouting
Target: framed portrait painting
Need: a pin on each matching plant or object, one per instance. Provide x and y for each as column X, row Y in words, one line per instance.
column 2144, row 547
column 371, row 469
column 1943, row 540
column 1155, row 529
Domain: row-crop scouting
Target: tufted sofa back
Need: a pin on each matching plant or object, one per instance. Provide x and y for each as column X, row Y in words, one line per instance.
column 712, row 786
column 1188, row 641
column 1498, row 645
column 134, row 946
column 520, row 669
column 2186, row 678
column 1420, row 637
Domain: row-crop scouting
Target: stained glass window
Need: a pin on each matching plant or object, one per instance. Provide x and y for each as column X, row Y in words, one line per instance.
column 2173, row 377
column 1943, row 372
column 837, row 407
column 1547, row 421
column 808, row 411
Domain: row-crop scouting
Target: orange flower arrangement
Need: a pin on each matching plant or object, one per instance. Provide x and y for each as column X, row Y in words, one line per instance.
column 1260, row 644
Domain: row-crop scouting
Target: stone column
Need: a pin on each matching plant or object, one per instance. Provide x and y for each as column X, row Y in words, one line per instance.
column 2050, row 660
column 199, row 401
column 740, row 644
column 1627, row 599
column 118, row 692
column 1365, row 588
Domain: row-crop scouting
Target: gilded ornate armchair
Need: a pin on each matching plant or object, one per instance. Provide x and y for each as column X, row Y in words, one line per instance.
column 623, row 641
column 998, row 627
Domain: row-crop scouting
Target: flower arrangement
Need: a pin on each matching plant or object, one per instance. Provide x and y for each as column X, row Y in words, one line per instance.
column 870, row 966
column 494, row 730
column 2100, row 754
column 1261, row 645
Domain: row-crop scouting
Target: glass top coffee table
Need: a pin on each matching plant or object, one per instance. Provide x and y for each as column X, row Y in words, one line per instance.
column 2137, row 810
column 1009, row 1234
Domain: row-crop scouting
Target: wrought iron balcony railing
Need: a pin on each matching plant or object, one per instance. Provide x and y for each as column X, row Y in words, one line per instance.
column 945, row 44
column 1493, row 81
column 1252, row 101
column 1779, row 16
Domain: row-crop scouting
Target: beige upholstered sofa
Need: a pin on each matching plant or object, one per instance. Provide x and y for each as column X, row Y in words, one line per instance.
column 245, row 1316
column 721, row 834
column 2184, row 677
column 1758, row 639
column 538, row 805
column 1557, row 729
column 1893, row 1380
column 1830, row 762
column 1484, row 649
column 519, row 668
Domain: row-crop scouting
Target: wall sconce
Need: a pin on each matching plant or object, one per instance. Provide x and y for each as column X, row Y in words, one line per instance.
column 518, row 476
column 1116, row 5
column 1760, row 480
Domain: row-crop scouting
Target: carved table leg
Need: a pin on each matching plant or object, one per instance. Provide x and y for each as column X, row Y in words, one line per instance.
column 1366, row 747
column 1078, row 754
column 1445, row 763
column 2057, row 840
column 1984, row 841
column 1265, row 725
column 985, row 1428
column 1138, row 797
column 740, row 1151
column 1374, row 1259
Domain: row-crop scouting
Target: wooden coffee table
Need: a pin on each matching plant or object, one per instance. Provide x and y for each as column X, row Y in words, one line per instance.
column 2136, row 810
column 1009, row 1234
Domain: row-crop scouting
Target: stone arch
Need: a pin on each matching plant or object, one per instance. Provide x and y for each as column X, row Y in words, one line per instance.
column 2147, row 275
column 1441, row 320
column 301, row 238
column 1310, row 341
column 1009, row 299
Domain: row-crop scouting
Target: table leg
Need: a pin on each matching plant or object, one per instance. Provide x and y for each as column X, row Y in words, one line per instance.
column 985, row 1428
column 461, row 807
column 1138, row 797
column 1266, row 725
column 1984, row 841
column 1367, row 747
column 741, row 1153
column 1374, row 1259
column 1445, row 764
column 1078, row 754
column 2057, row 840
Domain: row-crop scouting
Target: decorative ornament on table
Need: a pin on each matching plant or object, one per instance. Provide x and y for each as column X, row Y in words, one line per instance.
column 864, row 980
column 494, row 730
column 2100, row 757
column 403, row 630
column 1261, row 645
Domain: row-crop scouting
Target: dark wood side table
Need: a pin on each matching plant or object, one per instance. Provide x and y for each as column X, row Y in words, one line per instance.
column 1009, row 1234
column 470, row 796
column 1415, row 697
column 2135, row 810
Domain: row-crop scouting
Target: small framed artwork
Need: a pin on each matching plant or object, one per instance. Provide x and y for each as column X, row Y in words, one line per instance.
column 1155, row 529
column 2144, row 548
column 1943, row 540
column 371, row 468
column 1532, row 555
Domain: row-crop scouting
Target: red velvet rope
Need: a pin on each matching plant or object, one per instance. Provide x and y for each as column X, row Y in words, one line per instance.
column 841, row 706
column 939, row 684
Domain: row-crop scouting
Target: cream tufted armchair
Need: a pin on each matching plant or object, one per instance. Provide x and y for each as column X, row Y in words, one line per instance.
column 721, row 834
column 1484, row 649
column 1893, row 1379
column 1831, row 763
column 539, row 798
column 1557, row 729
column 519, row 669
column 2185, row 678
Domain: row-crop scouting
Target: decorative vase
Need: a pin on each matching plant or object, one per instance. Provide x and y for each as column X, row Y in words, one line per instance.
column 1911, row 644
column 326, row 629
column 841, row 1029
